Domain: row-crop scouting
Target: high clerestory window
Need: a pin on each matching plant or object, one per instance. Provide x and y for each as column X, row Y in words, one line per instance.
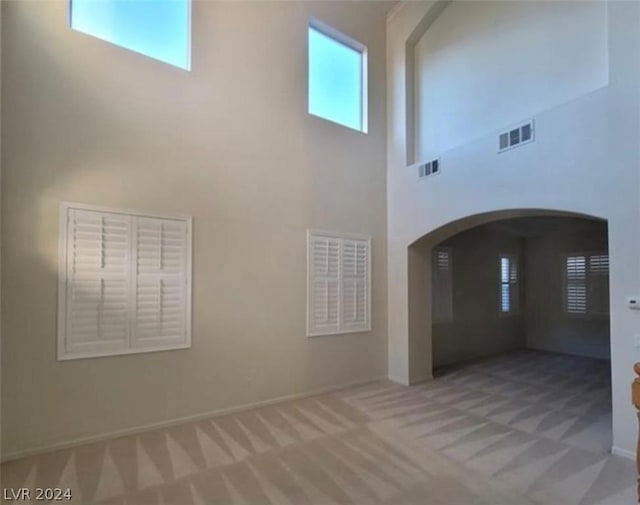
column 337, row 77
column 338, row 283
column 509, row 284
column 160, row 29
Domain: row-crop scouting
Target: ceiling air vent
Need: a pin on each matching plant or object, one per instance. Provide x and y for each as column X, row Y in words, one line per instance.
column 516, row 137
column 429, row 168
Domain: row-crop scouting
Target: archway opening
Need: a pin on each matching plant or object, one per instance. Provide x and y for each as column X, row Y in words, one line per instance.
column 515, row 309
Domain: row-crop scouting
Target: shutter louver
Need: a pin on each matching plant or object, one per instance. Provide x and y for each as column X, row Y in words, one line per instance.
column 338, row 285
column 160, row 302
column 97, row 281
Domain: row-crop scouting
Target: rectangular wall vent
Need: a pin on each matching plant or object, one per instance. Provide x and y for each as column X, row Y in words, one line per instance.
column 430, row 168
column 516, row 137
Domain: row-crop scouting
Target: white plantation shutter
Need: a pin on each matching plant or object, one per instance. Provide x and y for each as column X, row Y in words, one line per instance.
column 324, row 302
column 161, row 278
column 98, row 282
column 576, row 281
column 355, row 273
column 338, row 289
column 598, row 284
column 587, row 284
column 124, row 282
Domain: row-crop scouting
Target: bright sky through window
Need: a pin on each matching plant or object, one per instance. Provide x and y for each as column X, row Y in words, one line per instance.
column 159, row 29
column 336, row 80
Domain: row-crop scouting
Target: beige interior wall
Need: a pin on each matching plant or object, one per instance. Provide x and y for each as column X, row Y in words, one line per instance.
column 548, row 327
column 478, row 328
column 231, row 144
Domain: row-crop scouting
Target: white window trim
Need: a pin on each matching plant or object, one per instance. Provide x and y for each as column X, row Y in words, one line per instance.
column 512, row 257
column 351, row 43
column 62, row 353
column 341, row 236
column 588, row 314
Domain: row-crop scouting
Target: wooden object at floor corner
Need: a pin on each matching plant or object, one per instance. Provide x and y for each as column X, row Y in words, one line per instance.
column 635, row 397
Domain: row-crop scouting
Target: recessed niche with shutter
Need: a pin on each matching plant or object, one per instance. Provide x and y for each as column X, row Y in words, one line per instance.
column 124, row 282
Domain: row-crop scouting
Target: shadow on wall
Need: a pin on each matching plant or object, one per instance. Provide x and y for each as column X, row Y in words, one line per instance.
column 520, row 332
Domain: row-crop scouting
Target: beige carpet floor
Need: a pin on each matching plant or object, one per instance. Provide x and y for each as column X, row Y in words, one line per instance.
column 524, row 428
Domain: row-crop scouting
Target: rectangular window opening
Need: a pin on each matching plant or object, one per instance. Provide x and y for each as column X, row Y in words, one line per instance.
column 337, row 77
column 159, row 29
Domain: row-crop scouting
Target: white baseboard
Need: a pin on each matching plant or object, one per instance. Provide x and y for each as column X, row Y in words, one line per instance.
column 399, row 380
column 623, row 452
column 172, row 422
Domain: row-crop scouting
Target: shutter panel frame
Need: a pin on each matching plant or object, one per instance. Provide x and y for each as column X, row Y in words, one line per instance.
column 353, row 278
column 323, row 288
column 95, row 276
column 159, row 276
column 509, row 285
column 108, row 290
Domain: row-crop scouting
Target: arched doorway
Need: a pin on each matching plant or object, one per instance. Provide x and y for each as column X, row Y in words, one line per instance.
column 419, row 278
column 503, row 294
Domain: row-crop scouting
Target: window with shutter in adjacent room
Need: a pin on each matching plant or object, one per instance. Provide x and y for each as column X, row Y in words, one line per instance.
column 337, row 77
column 587, row 284
column 442, row 285
column 124, row 282
column 338, row 284
column 509, row 284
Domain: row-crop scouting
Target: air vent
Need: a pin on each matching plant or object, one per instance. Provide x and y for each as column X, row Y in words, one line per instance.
column 516, row 137
column 430, row 168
